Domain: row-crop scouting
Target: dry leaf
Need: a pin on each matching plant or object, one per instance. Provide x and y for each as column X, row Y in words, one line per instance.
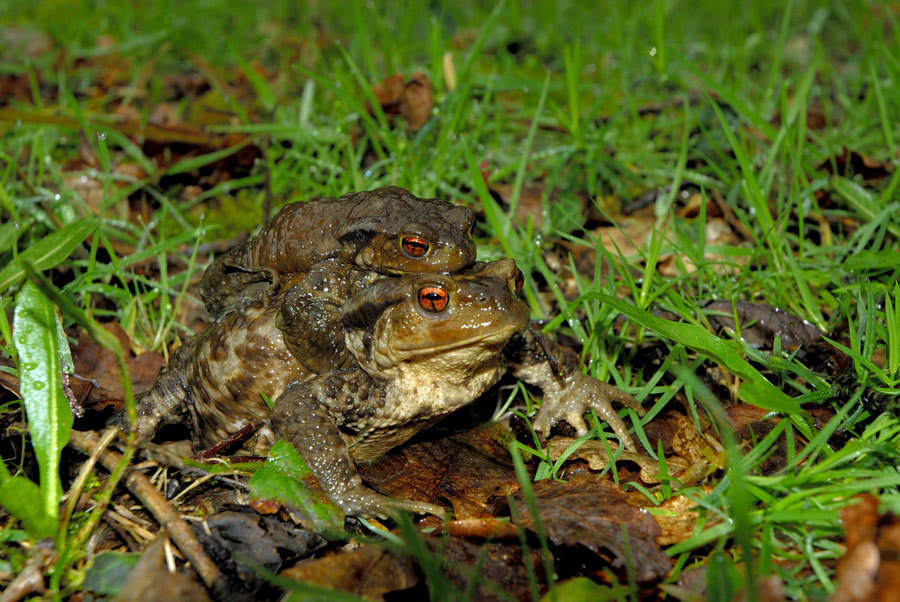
column 868, row 571
column 368, row 571
column 150, row 580
column 97, row 365
column 594, row 453
column 850, row 162
column 761, row 323
column 414, row 99
column 677, row 518
column 595, row 513
column 470, row 470
column 501, row 569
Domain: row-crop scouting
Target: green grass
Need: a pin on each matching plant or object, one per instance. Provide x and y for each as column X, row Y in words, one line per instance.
column 612, row 100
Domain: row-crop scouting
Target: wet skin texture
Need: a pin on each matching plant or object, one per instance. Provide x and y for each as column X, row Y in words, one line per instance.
column 325, row 250
column 422, row 346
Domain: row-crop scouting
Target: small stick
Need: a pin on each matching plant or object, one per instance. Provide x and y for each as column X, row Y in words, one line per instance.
column 155, row 502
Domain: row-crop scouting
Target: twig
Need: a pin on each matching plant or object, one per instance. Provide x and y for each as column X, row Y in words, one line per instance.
column 156, row 503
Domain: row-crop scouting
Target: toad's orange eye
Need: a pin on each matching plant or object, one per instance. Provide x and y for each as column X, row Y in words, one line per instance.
column 415, row 246
column 433, row 298
column 519, row 280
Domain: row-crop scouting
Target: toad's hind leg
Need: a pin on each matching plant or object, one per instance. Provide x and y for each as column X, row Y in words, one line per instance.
column 302, row 417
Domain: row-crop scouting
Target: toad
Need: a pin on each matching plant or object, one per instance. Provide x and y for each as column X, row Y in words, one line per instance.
column 326, row 249
column 423, row 344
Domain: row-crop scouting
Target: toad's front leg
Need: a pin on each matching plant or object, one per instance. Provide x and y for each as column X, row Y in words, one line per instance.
column 302, row 416
column 568, row 393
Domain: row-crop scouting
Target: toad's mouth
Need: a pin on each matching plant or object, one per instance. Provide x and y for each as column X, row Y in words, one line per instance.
column 496, row 338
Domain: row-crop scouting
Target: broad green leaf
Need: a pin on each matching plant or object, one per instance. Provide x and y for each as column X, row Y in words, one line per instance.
column 287, row 479
column 42, row 350
column 47, row 253
column 755, row 389
column 22, row 498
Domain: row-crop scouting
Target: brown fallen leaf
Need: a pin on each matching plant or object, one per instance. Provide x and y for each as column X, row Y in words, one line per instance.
column 150, row 580
column 414, row 99
column 761, row 323
column 598, row 514
column 850, row 162
column 869, row 569
column 768, row 589
column 484, row 528
column 491, row 571
column 417, row 102
column 8, row 381
column 369, row 571
column 241, row 540
column 469, row 470
column 594, row 453
column 97, row 372
column 677, row 518
column 529, row 206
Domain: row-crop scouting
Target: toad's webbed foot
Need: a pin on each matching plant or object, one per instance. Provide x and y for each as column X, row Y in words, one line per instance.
column 301, row 416
column 579, row 393
column 568, row 393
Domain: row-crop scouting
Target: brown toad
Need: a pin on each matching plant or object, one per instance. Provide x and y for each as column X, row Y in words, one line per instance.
column 383, row 231
column 424, row 345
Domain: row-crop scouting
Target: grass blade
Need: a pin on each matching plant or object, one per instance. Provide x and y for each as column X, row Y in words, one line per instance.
column 48, row 252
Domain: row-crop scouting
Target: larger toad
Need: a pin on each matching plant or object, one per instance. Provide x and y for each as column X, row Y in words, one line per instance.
column 383, row 231
column 424, row 346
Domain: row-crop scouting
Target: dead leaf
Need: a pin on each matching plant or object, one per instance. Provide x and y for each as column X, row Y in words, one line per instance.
column 96, row 368
column 594, row 453
column 761, row 323
column 677, row 518
column 388, row 93
column 8, row 381
column 692, row 444
column 484, row 528
column 868, row 570
column 417, row 102
column 768, row 589
column 150, row 580
column 414, row 99
column 494, row 571
column 470, row 470
column 849, row 162
column 530, row 205
column 369, row 571
column 597, row 514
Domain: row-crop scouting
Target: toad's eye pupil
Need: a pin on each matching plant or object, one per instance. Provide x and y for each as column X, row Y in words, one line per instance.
column 433, row 298
column 415, row 246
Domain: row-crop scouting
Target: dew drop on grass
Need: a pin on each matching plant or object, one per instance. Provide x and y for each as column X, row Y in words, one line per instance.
column 38, row 384
column 653, row 51
column 102, row 135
